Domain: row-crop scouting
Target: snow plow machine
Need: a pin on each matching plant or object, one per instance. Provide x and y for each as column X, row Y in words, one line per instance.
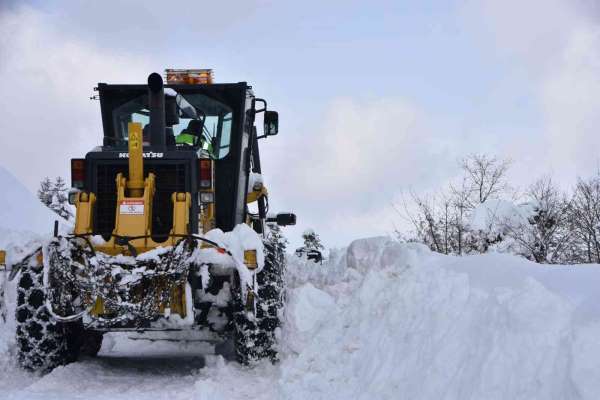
column 172, row 230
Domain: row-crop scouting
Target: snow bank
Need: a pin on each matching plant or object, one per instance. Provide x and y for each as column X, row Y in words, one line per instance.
column 418, row 325
column 24, row 224
column 21, row 211
column 308, row 309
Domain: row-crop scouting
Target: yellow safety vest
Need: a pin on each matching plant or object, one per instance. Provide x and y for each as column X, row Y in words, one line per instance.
column 185, row 138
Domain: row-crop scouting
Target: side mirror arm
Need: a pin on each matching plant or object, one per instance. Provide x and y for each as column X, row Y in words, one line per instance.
column 264, row 103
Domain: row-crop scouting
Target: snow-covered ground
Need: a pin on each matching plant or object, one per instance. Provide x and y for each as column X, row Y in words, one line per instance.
column 379, row 320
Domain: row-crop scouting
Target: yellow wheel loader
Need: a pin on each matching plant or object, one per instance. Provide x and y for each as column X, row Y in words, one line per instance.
column 172, row 230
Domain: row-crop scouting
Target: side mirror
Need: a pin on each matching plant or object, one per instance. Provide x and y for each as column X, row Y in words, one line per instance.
column 271, row 123
column 283, row 219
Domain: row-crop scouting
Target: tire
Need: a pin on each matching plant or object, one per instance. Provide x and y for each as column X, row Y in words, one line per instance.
column 255, row 336
column 42, row 342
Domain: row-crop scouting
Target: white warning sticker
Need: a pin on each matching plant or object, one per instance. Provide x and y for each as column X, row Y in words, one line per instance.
column 131, row 207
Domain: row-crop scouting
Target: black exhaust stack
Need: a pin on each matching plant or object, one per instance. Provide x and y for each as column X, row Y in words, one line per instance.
column 156, row 100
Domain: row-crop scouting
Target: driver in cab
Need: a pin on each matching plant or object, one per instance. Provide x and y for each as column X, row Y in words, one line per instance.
column 190, row 135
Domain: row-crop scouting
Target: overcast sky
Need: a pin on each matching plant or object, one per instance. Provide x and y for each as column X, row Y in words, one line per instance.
column 374, row 99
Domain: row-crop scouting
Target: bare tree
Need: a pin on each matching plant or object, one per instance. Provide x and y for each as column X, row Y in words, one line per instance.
column 543, row 236
column 485, row 176
column 584, row 218
column 461, row 207
column 436, row 220
column 424, row 220
column 441, row 221
column 550, row 227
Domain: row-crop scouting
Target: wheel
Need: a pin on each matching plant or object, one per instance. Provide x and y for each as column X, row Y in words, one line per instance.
column 255, row 336
column 42, row 342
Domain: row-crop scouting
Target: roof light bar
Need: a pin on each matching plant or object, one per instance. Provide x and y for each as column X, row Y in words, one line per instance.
column 189, row 76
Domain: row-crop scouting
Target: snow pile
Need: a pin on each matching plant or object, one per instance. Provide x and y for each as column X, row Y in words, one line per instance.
column 418, row 325
column 310, row 310
column 332, row 271
column 21, row 211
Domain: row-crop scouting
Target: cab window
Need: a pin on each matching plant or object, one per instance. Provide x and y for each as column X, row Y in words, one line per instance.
column 199, row 121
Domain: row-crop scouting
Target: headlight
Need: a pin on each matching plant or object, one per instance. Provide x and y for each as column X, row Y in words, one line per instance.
column 207, row 197
column 73, row 193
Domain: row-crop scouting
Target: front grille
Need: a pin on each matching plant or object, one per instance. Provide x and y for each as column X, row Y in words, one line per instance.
column 170, row 177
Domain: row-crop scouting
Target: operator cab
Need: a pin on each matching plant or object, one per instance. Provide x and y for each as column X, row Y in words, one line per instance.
column 198, row 138
column 192, row 119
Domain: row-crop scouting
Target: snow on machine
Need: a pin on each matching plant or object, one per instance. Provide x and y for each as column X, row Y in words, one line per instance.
column 164, row 237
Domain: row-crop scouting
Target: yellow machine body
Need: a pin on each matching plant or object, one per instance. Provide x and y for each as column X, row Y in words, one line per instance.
column 134, row 218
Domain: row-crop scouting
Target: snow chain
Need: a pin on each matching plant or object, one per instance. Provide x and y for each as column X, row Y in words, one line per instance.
column 75, row 278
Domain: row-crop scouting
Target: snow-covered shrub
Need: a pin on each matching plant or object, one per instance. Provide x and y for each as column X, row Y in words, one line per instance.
column 312, row 241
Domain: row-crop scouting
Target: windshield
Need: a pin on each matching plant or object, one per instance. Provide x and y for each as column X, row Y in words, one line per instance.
column 192, row 120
